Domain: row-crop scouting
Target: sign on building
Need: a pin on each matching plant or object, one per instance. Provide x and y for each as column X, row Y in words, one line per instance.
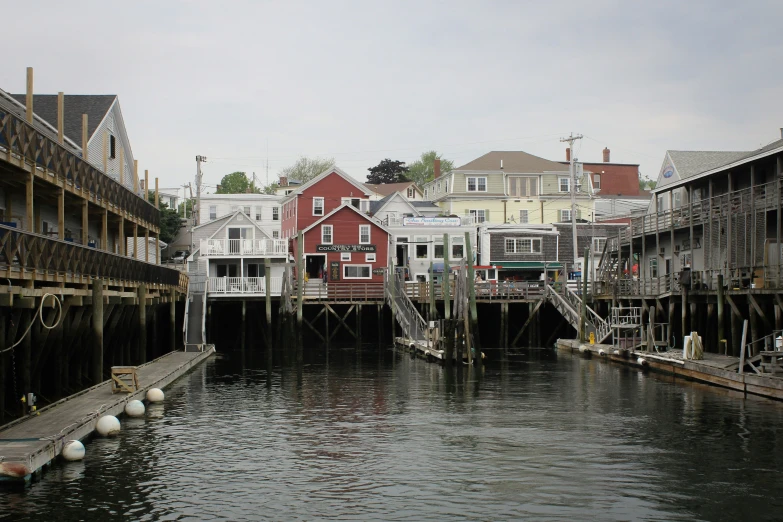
column 432, row 221
column 345, row 248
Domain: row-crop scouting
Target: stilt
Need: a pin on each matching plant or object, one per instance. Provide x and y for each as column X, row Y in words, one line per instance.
column 25, row 354
column 173, row 321
column 736, row 332
column 268, row 306
column 778, row 318
column 670, row 327
column 722, row 348
column 380, row 325
column 504, row 327
column 97, row 331
column 754, row 327
column 711, row 321
column 3, row 378
column 358, row 325
column 684, row 326
column 243, row 333
column 448, row 341
column 531, row 338
column 141, row 346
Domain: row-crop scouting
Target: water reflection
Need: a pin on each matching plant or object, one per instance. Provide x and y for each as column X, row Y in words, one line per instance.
column 367, row 434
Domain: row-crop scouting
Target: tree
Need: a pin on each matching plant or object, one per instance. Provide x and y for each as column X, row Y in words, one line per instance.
column 271, row 188
column 646, row 184
column 387, row 171
column 423, row 169
column 305, row 169
column 236, row 183
column 185, row 209
column 169, row 219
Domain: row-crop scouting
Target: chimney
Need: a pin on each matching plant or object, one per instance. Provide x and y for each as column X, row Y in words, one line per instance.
column 436, row 167
column 218, row 188
column 606, row 154
column 568, row 153
column 283, row 181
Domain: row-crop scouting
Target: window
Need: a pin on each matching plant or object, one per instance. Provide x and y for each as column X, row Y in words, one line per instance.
column 318, row 206
column 345, row 256
column 477, row 184
column 258, row 214
column 661, row 206
column 687, row 258
column 479, row 215
column 275, row 213
column 523, row 246
column 677, row 199
column 598, row 245
column 422, row 247
column 522, row 186
column 426, row 193
column 364, row 234
column 446, row 186
column 246, row 210
column 653, row 267
column 357, row 271
column 275, row 234
column 565, row 215
column 437, row 251
column 596, row 181
column 369, row 258
column 438, row 187
column 364, row 205
column 411, row 193
column 326, row 234
column 212, row 212
column 565, row 184
column 523, row 216
column 112, row 147
column 457, row 247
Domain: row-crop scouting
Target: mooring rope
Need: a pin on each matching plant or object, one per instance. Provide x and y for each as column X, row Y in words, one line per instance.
column 39, row 314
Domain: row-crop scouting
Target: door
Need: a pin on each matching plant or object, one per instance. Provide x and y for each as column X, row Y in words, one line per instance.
column 315, row 265
column 222, row 270
column 233, row 271
column 668, row 265
column 252, row 270
column 233, row 240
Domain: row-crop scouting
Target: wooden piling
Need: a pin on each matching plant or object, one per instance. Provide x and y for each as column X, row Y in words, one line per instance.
column 684, row 296
column 448, row 341
column 268, row 304
column 711, row 321
column 3, row 378
column 446, row 280
column 300, row 265
column 721, row 319
column 583, row 307
column 433, row 308
column 141, row 346
column 97, row 331
column 754, row 325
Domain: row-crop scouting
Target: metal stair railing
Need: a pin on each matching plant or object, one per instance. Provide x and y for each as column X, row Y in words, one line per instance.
column 602, row 327
column 196, row 291
column 569, row 306
column 407, row 315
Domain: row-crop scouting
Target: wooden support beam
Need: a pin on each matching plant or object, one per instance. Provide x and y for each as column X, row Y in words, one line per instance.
column 105, row 230
column 734, row 307
column 85, row 139
column 29, row 214
column 61, row 213
column 141, row 346
column 309, row 324
column 759, row 311
column 342, row 321
column 29, row 97
column 146, row 185
column 121, row 237
column 60, row 118
column 85, row 222
column 157, row 195
column 173, row 321
column 97, row 331
column 529, row 320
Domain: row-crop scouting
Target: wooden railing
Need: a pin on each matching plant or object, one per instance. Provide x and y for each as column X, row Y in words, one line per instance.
column 343, row 291
column 24, row 255
column 19, row 139
column 243, row 247
column 485, row 290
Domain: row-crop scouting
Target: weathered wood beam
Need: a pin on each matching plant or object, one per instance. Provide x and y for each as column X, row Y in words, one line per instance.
column 529, row 320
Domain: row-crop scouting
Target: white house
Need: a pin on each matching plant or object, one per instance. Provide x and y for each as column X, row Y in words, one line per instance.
column 408, row 189
column 262, row 209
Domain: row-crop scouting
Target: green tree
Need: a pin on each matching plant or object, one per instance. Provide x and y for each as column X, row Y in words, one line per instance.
column 646, row 184
column 169, row 220
column 185, row 209
column 305, row 169
column 271, row 188
column 387, row 171
column 423, row 169
column 236, row 183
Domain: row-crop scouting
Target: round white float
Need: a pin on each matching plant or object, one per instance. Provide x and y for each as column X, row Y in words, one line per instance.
column 73, row 450
column 134, row 409
column 642, row 362
column 155, row 395
column 601, row 352
column 582, row 348
column 108, row 425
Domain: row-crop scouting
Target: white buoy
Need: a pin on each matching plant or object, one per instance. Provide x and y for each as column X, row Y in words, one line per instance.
column 155, row 395
column 73, row 450
column 582, row 348
column 601, row 352
column 134, row 409
column 108, row 425
column 641, row 361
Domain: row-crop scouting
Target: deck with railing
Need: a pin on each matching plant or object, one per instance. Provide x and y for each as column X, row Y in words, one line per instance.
column 486, row 291
column 243, row 247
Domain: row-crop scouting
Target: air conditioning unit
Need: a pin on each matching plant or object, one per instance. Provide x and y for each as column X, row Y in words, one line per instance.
column 663, row 251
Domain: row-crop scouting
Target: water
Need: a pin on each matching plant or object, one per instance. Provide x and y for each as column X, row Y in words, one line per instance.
column 375, row 437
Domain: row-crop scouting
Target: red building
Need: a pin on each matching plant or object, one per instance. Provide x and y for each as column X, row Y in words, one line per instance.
column 318, row 197
column 612, row 179
column 348, row 244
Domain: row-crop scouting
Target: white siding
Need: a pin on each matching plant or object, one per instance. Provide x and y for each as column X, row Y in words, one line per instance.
column 95, row 147
column 260, row 204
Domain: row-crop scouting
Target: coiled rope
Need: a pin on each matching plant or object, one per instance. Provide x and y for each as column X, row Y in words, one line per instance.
column 39, row 314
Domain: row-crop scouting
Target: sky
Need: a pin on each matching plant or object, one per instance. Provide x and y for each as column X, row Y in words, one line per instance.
column 363, row 81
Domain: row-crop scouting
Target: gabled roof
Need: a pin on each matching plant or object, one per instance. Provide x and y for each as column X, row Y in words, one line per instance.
column 95, row 106
column 228, row 218
column 424, row 204
column 386, row 189
column 513, row 161
column 692, row 162
column 385, row 201
column 338, row 209
column 333, row 170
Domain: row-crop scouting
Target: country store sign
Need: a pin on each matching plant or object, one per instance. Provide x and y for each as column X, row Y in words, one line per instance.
column 431, row 221
column 345, row 248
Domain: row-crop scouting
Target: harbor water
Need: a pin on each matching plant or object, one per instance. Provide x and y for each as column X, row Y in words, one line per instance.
column 370, row 435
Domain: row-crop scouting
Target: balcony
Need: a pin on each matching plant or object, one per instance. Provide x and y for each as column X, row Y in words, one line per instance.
column 244, row 247
column 243, row 286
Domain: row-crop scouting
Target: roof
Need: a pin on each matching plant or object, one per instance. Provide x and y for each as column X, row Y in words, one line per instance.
column 332, row 170
column 424, row 204
column 374, row 209
column 338, row 209
column 513, row 161
column 690, row 163
column 231, row 218
column 386, row 189
column 95, row 106
column 242, row 195
column 375, row 206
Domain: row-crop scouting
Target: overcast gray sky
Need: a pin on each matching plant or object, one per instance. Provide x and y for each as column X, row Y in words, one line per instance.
column 361, row 81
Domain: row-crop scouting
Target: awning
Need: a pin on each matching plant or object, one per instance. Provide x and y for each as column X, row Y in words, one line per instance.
column 510, row 265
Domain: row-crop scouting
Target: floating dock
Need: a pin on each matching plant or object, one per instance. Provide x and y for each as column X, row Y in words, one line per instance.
column 31, row 442
column 718, row 370
column 419, row 347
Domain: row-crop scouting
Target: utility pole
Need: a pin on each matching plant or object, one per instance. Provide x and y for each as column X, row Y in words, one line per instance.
column 572, row 170
column 197, row 210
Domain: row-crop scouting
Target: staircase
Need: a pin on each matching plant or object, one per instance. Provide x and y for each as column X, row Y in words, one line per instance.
column 196, row 312
column 569, row 305
column 607, row 266
column 405, row 312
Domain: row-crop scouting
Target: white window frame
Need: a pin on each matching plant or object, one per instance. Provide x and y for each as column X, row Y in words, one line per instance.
column 457, row 241
column 596, row 182
column 653, row 267
column 212, row 212
column 476, row 182
column 321, row 200
column 275, row 213
column 369, row 269
column 411, row 193
column 524, row 216
column 421, row 241
column 426, row 193
column 475, row 213
column 331, row 234
column 567, row 184
column 565, row 212
column 246, row 210
column 519, row 245
column 345, row 256
column 369, row 235
column 369, row 258
column 435, row 242
column 275, row 234
column 598, row 245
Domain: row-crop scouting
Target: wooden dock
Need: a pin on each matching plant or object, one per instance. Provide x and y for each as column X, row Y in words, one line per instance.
column 29, row 443
column 715, row 369
column 419, row 347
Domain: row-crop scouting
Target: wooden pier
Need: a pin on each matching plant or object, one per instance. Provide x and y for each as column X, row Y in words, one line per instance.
column 30, row 443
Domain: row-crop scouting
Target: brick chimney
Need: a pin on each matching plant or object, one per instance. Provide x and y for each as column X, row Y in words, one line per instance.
column 568, row 153
column 436, row 167
column 606, row 154
column 283, row 181
column 218, row 188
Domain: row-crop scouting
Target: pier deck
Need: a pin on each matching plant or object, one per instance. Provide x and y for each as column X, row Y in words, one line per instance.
column 719, row 370
column 29, row 443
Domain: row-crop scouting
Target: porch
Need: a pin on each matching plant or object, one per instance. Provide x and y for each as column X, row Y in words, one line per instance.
column 243, row 247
